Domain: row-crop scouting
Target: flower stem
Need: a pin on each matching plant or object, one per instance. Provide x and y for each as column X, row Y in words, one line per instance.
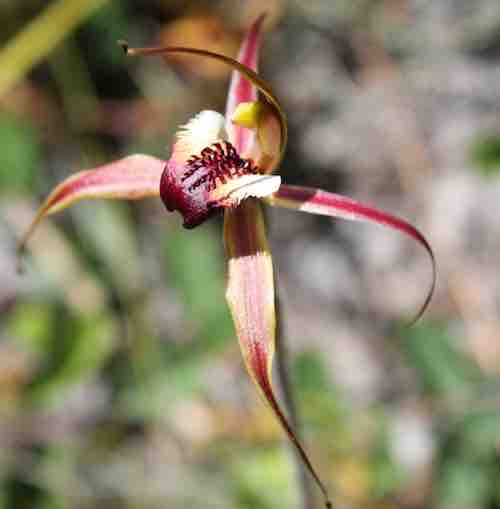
column 289, row 403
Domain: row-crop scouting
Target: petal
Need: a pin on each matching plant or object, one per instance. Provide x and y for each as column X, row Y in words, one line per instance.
column 206, row 128
column 246, row 186
column 241, row 89
column 216, row 179
column 206, row 173
column 316, row 201
column 131, row 178
column 269, row 99
column 250, row 295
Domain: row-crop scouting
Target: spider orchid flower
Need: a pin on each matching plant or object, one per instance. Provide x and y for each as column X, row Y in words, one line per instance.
column 227, row 162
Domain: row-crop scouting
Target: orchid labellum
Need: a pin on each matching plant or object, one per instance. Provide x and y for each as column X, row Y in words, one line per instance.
column 227, row 163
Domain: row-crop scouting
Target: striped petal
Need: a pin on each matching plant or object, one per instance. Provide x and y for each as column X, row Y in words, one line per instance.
column 250, row 295
column 316, row 201
column 242, row 90
column 131, row 178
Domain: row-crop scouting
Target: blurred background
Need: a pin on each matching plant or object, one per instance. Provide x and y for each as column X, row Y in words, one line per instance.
column 121, row 382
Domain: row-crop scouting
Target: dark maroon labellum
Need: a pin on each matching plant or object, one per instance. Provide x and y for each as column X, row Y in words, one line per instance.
column 189, row 187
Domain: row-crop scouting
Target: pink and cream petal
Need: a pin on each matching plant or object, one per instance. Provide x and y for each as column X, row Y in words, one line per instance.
column 250, row 295
column 316, row 201
column 130, row 178
column 241, row 89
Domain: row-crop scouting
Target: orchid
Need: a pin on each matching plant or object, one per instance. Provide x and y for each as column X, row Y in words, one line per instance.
column 227, row 163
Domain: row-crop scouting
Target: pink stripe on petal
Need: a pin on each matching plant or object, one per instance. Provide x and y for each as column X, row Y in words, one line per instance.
column 130, row 178
column 250, row 295
column 316, row 201
column 242, row 90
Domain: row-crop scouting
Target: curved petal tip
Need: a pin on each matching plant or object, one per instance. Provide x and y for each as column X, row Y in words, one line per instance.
column 251, row 298
column 131, row 178
column 317, row 201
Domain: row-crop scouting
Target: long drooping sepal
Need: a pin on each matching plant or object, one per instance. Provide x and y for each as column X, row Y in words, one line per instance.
column 316, row 201
column 130, row 178
column 242, row 90
column 250, row 295
column 262, row 86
